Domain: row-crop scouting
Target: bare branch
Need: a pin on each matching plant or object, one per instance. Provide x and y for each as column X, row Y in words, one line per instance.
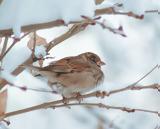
column 24, row 88
column 153, row 11
column 14, row 42
column 133, row 87
column 34, row 44
column 135, row 83
column 4, row 46
column 96, row 94
column 100, row 105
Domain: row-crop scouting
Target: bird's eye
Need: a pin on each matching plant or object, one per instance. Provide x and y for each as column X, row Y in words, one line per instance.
column 93, row 59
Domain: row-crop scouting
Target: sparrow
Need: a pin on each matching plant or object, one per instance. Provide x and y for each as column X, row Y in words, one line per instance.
column 72, row 75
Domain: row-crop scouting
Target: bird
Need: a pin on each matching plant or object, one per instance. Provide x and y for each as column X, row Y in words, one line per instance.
column 74, row 74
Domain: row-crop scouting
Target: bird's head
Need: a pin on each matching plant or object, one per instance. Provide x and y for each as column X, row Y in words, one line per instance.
column 93, row 58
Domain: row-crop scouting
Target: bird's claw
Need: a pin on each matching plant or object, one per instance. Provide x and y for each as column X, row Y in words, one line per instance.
column 65, row 100
column 79, row 97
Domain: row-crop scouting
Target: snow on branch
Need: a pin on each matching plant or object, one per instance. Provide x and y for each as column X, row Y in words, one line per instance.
column 61, row 22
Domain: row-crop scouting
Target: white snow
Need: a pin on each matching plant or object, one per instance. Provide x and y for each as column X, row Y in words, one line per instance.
column 7, row 76
column 15, row 57
column 18, row 13
column 3, row 125
column 107, row 4
column 40, row 51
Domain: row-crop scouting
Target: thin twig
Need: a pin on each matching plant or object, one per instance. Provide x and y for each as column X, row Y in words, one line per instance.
column 3, row 50
column 34, row 44
column 14, row 42
column 76, row 28
column 126, row 109
column 155, row 67
column 96, row 94
column 111, row 10
column 153, row 11
column 4, row 45
column 54, row 105
column 24, row 88
column 133, row 87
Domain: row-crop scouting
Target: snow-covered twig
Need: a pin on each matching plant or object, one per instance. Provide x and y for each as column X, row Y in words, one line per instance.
column 60, row 22
column 111, row 10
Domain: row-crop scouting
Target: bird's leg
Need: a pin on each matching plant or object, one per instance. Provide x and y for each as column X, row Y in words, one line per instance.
column 65, row 100
column 79, row 97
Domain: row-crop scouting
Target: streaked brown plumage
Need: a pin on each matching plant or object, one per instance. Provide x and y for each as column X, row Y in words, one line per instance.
column 73, row 74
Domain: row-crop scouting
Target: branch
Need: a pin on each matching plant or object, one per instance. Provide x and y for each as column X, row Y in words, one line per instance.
column 24, row 88
column 60, row 22
column 34, row 27
column 96, row 94
column 101, row 105
column 112, row 11
column 34, row 45
column 133, row 87
column 4, row 46
column 76, row 28
column 153, row 11
column 14, row 42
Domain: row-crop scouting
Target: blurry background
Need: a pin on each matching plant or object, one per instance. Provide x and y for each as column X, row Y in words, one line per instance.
column 127, row 59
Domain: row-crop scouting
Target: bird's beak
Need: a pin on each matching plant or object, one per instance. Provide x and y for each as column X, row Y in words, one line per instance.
column 100, row 63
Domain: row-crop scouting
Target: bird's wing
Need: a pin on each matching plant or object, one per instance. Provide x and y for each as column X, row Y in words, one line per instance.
column 67, row 65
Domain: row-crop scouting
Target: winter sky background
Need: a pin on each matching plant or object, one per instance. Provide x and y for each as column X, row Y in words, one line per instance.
column 127, row 59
